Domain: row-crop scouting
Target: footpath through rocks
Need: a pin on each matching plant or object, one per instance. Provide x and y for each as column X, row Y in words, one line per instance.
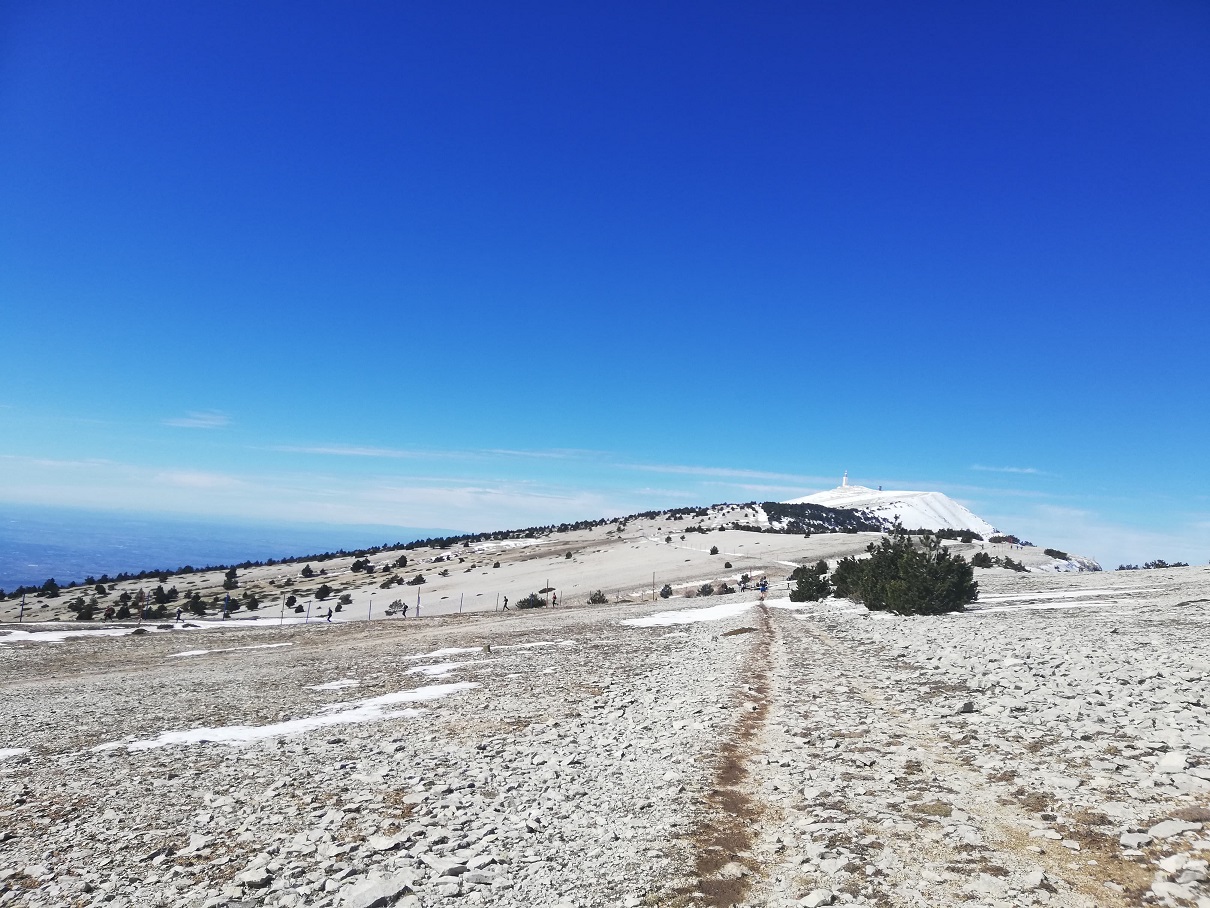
column 729, row 754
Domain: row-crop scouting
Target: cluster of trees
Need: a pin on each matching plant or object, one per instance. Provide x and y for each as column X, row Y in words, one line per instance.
column 1011, row 540
column 1152, row 565
column 984, row 560
column 810, row 583
column 903, row 574
column 533, row 600
column 801, row 519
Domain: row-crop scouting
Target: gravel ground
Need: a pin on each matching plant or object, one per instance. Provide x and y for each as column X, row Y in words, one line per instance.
column 1020, row 754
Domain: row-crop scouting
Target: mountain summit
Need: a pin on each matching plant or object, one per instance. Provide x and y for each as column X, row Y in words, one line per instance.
column 915, row 510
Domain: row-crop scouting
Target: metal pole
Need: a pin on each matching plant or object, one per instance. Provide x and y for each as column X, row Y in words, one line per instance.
column 460, row 598
column 307, row 620
column 371, row 608
column 21, row 617
column 496, row 609
column 283, row 610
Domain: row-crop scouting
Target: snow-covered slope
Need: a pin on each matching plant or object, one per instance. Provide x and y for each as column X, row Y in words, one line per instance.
column 915, row 510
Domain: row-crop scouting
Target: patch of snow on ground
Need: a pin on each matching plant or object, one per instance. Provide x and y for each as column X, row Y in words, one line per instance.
column 371, row 710
column 449, row 651
column 441, row 669
column 337, row 685
column 6, row 752
column 1050, row 606
column 233, row 649
column 58, row 636
column 1064, row 594
column 691, row 615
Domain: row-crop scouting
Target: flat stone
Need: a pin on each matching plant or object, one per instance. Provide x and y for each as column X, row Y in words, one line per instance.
column 444, row 866
column 1134, row 839
column 1172, row 762
column 817, row 897
column 378, row 892
column 1168, row 828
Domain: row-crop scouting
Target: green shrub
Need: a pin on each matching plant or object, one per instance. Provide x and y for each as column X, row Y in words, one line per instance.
column 345, row 599
column 705, row 589
column 533, row 600
column 714, row 550
column 810, row 583
column 1055, row 553
column 596, row 597
column 982, row 560
column 727, row 566
column 666, row 591
column 416, row 581
column 908, row 578
column 307, row 571
column 323, row 592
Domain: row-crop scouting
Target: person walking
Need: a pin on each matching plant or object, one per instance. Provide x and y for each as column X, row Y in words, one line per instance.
column 505, row 609
column 329, row 618
column 405, row 610
column 554, row 599
column 178, row 613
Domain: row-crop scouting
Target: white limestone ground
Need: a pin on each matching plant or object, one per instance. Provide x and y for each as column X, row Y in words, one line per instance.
column 1013, row 755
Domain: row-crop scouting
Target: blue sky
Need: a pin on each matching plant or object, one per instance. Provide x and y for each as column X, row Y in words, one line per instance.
column 479, row 265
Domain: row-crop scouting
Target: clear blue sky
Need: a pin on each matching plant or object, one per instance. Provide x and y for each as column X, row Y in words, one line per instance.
column 477, row 265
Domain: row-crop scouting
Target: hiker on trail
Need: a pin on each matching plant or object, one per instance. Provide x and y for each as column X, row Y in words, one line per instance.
column 764, row 588
column 329, row 614
column 505, row 609
column 178, row 613
column 554, row 599
column 405, row 611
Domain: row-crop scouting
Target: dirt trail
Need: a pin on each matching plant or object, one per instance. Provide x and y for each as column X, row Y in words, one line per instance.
column 854, row 795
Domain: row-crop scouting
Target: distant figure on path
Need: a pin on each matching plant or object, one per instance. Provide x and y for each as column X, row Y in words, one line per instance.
column 329, row 619
column 178, row 613
column 405, row 611
column 764, row 588
column 505, row 609
column 554, row 599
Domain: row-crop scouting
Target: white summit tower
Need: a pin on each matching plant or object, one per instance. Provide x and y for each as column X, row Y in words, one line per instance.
column 844, row 480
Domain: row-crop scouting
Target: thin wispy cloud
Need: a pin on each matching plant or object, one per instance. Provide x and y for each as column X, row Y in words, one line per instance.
column 1027, row 470
column 726, row 472
column 351, row 450
column 200, row 419
column 339, row 450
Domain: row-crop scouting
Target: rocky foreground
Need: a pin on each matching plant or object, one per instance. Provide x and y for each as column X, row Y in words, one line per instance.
column 1017, row 755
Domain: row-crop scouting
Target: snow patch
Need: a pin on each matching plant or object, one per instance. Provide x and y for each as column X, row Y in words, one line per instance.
column 441, row 669
column 371, row 710
column 6, row 752
column 232, row 649
column 691, row 615
column 337, row 685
